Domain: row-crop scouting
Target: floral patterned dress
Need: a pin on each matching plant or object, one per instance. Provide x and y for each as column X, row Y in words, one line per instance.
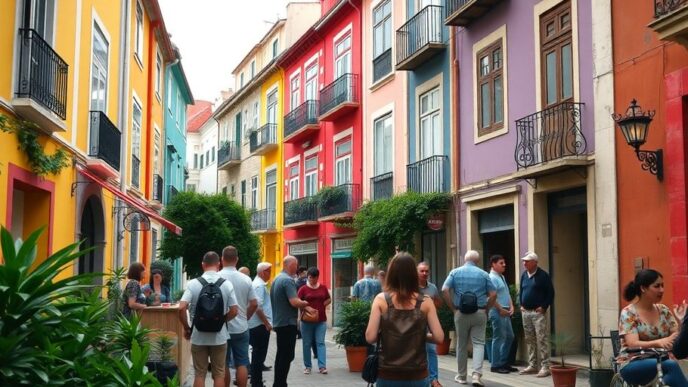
column 631, row 322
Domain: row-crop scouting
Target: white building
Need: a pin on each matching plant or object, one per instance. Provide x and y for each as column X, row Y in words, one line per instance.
column 201, row 150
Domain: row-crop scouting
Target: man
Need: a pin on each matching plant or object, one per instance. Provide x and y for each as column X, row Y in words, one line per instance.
column 536, row 295
column 260, row 324
column 500, row 318
column 367, row 287
column 285, row 304
column 381, row 277
column 301, row 277
column 429, row 289
column 206, row 345
column 245, row 270
column 469, row 289
column 237, row 345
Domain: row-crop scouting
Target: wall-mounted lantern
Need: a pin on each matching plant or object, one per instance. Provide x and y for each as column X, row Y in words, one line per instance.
column 635, row 125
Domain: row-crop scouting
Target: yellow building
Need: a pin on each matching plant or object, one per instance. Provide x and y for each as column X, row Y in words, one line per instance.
column 62, row 69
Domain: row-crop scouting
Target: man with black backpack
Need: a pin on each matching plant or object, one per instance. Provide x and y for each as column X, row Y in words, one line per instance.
column 469, row 292
column 211, row 303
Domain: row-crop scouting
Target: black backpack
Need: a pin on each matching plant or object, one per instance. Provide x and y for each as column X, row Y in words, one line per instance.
column 209, row 315
column 468, row 303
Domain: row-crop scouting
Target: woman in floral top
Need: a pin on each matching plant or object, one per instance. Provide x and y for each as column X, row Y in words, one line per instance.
column 646, row 323
column 132, row 295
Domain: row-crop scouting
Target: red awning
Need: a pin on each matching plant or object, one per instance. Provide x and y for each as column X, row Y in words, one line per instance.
column 131, row 201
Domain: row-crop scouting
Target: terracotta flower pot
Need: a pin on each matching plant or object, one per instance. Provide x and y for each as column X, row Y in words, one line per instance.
column 443, row 347
column 563, row 376
column 356, row 357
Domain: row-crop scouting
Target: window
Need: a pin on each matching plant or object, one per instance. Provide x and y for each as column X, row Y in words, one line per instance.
column 342, row 55
column 134, row 241
column 136, row 130
column 40, row 16
column 156, row 152
column 243, row 193
column 212, row 154
column 207, row 157
column 311, row 83
column 294, row 181
column 254, row 192
column 256, row 114
column 99, row 70
column 383, row 144
column 224, row 191
column 430, row 124
column 191, row 187
column 195, row 161
column 490, row 89
column 253, row 68
column 158, row 68
column 275, row 48
column 557, row 55
column 271, row 113
column 295, row 92
column 139, row 32
column 201, row 166
column 232, row 191
column 343, row 162
column 382, row 39
column 154, row 243
column 271, row 189
column 178, row 112
column 311, row 180
column 169, row 94
column 241, row 80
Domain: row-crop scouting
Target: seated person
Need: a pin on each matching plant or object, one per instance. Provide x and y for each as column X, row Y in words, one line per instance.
column 156, row 293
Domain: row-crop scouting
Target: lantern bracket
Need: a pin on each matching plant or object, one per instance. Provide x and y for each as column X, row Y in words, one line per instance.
column 652, row 161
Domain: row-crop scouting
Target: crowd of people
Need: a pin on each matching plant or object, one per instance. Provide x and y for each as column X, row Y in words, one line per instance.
column 404, row 327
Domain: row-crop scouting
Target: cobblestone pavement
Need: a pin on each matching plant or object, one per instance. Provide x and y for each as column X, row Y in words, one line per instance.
column 339, row 374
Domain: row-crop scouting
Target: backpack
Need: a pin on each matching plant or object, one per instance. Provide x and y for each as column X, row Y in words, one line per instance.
column 468, row 303
column 209, row 315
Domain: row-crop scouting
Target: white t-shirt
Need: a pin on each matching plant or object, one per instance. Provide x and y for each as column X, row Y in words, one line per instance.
column 243, row 290
column 191, row 294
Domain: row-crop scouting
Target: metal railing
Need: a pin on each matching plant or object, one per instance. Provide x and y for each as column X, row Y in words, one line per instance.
column 382, row 65
column 300, row 210
column 228, row 151
column 42, row 73
column 135, row 172
column 382, row 186
column 428, row 175
column 423, row 28
column 344, row 89
column 549, row 134
column 266, row 134
column 663, row 7
column 304, row 114
column 263, row 219
column 453, row 6
column 342, row 198
column 104, row 139
column 157, row 187
column 173, row 192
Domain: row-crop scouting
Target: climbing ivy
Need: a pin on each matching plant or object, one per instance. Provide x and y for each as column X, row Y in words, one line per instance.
column 27, row 136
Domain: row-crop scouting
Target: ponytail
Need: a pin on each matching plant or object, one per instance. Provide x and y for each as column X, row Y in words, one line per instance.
column 630, row 291
column 644, row 278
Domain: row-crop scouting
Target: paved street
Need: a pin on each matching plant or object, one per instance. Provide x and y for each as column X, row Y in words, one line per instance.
column 339, row 374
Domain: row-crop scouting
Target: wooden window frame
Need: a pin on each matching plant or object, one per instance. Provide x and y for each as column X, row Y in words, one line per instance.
column 489, row 78
column 554, row 43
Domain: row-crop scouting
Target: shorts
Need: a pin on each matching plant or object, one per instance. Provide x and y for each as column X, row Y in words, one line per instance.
column 216, row 353
column 238, row 345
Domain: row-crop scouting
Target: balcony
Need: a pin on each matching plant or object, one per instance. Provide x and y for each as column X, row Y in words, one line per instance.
column 41, row 94
column 338, row 202
column 172, row 193
column 382, row 186
column 382, row 65
column 301, row 121
column 550, row 140
column 135, row 172
column 263, row 221
column 300, row 213
column 463, row 12
column 103, row 146
column 263, row 140
column 671, row 21
column 157, row 188
column 339, row 97
column 420, row 38
column 429, row 175
column 228, row 156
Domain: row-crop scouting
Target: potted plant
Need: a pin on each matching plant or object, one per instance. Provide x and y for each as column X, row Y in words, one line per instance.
column 163, row 366
column 331, row 197
column 446, row 317
column 601, row 372
column 354, row 318
column 563, row 375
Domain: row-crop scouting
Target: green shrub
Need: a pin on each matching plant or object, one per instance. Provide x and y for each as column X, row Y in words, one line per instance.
column 354, row 318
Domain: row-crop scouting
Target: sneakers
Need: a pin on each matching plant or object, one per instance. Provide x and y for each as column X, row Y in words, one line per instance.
column 475, row 379
column 543, row 373
column 459, row 379
column 528, row 371
column 306, row 371
column 323, row 371
column 512, row 369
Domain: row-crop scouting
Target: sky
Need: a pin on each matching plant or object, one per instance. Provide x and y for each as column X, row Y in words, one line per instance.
column 214, row 35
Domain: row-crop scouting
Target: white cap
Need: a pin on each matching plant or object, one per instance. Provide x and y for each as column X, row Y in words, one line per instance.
column 530, row 256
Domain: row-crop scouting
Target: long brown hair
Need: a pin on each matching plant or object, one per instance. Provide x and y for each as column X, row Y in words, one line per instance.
column 402, row 276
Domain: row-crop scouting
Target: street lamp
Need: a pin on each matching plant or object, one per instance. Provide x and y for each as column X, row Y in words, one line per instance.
column 634, row 125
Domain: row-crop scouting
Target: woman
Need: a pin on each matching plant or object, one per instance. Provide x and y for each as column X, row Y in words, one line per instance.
column 156, row 293
column 133, row 296
column 318, row 298
column 402, row 317
column 646, row 323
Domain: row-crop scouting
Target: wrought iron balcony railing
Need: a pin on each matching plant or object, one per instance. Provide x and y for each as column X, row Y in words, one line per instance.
column 302, row 116
column 663, row 7
column 265, row 135
column 104, row 139
column 262, row 220
column 421, row 34
column 428, row 175
column 135, row 172
column 300, row 210
column 342, row 91
column 339, row 200
column 173, row 192
column 229, row 151
column 549, row 134
column 157, row 187
column 463, row 12
column 42, row 73
column 382, row 186
column 382, row 65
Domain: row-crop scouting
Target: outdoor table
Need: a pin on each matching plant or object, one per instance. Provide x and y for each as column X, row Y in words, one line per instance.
column 166, row 320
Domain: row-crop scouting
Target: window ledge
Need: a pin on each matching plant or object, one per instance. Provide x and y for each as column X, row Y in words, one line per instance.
column 382, row 81
column 491, row 135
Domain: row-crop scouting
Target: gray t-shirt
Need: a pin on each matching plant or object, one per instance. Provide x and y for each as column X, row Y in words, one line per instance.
column 243, row 291
column 283, row 288
column 430, row 291
column 191, row 294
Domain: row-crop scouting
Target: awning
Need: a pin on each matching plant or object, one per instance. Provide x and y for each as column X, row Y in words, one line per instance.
column 341, row 255
column 131, row 201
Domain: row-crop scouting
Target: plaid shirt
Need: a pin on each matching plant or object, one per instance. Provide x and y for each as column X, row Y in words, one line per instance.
column 469, row 278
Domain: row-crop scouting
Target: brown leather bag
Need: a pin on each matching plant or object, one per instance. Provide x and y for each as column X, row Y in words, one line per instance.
column 312, row 316
column 403, row 355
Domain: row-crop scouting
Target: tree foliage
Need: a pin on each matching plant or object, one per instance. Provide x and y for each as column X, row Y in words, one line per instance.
column 382, row 225
column 209, row 222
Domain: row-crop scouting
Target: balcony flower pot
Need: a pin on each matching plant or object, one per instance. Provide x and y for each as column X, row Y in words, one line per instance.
column 354, row 317
column 330, row 197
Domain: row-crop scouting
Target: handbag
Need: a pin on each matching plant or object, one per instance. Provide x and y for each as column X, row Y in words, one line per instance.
column 312, row 316
column 370, row 367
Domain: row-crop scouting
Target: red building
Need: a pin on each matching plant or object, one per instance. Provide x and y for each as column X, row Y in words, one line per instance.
column 323, row 144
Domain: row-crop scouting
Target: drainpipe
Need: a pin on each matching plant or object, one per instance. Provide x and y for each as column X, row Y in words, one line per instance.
column 149, row 125
column 123, row 103
column 456, row 144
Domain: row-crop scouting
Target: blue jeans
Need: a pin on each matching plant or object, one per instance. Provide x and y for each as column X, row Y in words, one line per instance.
column 313, row 332
column 401, row 383
column 644, row 371
column 431, row 349
column 502, row 337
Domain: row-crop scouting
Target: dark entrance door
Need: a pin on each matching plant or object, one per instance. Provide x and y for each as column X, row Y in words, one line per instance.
column 496, row 227
column 92, row 235
column 434, row 247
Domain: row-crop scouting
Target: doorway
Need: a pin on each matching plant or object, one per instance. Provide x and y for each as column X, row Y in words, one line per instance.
column 91, row 233
column 434, row 248
column 496, row 229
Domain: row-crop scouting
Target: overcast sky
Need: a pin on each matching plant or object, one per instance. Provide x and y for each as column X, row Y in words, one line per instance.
column 214, row 35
